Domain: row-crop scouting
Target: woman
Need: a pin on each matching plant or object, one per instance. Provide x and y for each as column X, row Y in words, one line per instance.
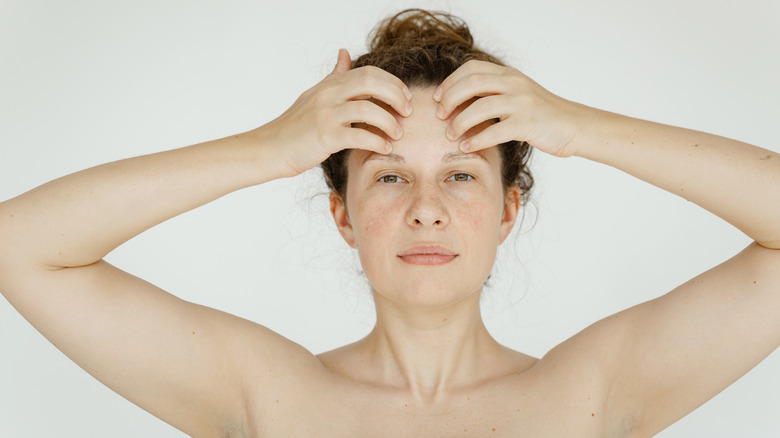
column 425, row 196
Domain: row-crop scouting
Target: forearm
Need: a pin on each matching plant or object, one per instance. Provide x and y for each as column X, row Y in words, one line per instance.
column 736, row 181
column 77, row 219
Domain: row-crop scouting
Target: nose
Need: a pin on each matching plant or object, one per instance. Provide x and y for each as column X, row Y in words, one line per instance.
column 427, row 208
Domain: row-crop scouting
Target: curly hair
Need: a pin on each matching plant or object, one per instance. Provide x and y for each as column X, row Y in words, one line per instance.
column 422, row 49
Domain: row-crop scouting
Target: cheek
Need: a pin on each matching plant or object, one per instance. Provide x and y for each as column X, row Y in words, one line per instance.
column 480, row 225
column 374, row 222
column 479, row 210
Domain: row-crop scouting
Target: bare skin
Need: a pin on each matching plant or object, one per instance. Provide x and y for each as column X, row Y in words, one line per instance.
column 429, row 367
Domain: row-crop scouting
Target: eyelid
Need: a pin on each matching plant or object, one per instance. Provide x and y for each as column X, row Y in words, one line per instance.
column 471, row 177
column 379, row 179
column 463, row 173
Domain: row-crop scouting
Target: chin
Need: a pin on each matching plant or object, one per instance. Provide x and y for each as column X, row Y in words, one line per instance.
column 429, row 292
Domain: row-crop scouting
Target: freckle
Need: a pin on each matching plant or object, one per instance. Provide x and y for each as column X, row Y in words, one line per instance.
column 754, row 282
column 494, row 429
column 469, row 398
column 12, row 215
column 592, row 414
column 277, row 401
column 588, row 398
column 695, row 145
column 193, row 332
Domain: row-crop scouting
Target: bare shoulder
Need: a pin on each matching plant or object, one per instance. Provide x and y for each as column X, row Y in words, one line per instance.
column 561, row 394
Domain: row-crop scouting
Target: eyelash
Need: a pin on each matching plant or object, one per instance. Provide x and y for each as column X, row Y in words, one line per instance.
column 471, row 177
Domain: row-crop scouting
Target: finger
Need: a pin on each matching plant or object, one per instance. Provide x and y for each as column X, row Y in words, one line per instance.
column 481, row 110
column 343, row 62
column 369, row 113
column 493, row 135
column 358, row 138
column 372, row 82
column 464, row 70
column 475, row 85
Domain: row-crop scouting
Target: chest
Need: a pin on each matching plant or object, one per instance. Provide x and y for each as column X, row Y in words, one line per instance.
column 505, row 409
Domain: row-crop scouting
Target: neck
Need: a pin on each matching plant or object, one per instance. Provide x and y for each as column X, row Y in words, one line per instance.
column 430, row 351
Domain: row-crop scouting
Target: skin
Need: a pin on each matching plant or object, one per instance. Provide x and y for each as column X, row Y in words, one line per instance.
column 429, row 368
column 428, row 316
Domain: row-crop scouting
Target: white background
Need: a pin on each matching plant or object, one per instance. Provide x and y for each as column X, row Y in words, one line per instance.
column 86, row 82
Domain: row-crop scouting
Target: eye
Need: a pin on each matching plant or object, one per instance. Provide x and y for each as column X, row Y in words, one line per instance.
column 461, row 177
column 389, row 179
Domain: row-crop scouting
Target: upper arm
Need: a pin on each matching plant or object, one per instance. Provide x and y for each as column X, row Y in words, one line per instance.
column 671, row 354
column 185, row 363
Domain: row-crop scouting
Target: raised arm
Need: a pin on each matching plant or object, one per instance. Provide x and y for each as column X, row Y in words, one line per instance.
column 660, row 359
column 187, row 364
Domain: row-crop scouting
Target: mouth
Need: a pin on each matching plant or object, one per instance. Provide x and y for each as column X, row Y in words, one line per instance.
column 428, row 255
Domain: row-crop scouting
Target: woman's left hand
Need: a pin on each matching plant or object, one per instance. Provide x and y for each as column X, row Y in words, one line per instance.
column 524, row 109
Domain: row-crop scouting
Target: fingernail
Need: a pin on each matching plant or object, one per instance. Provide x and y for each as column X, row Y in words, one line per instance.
column 450, row 133
column 437, row 94
column 408, row 108
column 388, row 146
column 399, row 133
column 440, row 112
column 465, row 146
column 407, row 93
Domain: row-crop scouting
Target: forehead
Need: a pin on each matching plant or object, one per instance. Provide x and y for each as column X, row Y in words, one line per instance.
column 424, row 133
column 448, row 157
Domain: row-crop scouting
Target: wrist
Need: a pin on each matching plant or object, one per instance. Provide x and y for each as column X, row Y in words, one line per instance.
column 257, row 151
column 597, row 131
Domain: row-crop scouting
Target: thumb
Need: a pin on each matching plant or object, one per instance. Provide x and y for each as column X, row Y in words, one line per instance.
column 344, row 62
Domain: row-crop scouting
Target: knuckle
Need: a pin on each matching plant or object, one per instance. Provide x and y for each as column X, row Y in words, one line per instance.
column 322, row 96
column 363, row 109
column 484, row 105
column 472, row 64
column 322, row 118
column 475, row 79
column 367, row 77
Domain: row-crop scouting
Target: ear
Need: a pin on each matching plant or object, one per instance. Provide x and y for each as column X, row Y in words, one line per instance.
column 511, row 207
column 341, row 217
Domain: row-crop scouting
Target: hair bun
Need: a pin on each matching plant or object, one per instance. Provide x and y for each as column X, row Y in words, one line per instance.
column 420, row 28
column 420, row 47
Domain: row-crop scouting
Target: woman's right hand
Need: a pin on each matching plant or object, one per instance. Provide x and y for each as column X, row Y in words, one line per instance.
column 321, row 122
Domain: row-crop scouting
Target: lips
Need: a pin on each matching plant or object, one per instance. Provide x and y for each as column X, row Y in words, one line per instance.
column 427, row 255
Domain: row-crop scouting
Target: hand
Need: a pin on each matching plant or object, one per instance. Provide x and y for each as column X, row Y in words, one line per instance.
column 525, row 111
column 320, row 122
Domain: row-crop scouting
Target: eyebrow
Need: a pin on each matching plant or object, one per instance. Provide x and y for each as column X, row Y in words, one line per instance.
column 447, row 158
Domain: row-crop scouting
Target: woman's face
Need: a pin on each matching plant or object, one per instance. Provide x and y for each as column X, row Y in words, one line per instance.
column 426, row 193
